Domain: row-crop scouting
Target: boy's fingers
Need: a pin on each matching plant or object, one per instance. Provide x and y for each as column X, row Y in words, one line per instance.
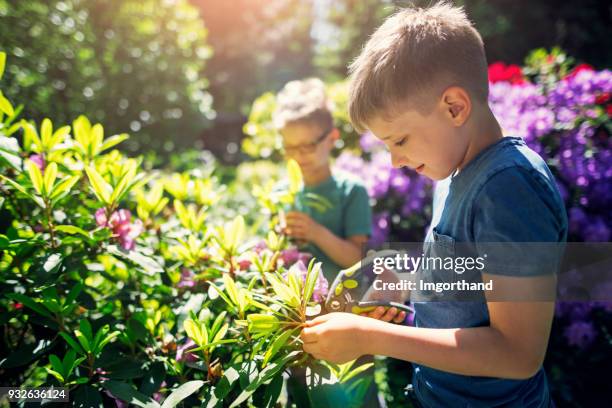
column 308, row 335
column 400, row 317
column 377, row 313
column 390, row 315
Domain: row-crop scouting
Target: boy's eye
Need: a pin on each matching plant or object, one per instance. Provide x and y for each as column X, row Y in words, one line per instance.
column 400, row 142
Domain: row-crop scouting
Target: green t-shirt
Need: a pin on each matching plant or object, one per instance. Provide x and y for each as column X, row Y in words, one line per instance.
column 350, row 214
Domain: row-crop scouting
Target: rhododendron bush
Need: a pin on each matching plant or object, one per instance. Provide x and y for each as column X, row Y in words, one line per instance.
column 127, row 285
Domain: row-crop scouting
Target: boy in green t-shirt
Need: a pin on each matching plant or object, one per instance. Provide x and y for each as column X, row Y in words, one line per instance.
column 335, row 236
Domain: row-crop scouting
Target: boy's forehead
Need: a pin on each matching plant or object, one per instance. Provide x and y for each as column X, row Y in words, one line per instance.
column 300, row 131
column 385, row 128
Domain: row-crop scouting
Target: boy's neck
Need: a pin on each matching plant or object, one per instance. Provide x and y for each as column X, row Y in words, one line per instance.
column 317, row 176
column 485, row 131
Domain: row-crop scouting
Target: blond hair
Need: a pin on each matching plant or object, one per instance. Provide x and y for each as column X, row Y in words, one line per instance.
column 304, row 102
column 413, row 57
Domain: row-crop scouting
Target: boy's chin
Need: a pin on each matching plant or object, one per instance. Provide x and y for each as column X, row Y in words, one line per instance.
column 437, row 176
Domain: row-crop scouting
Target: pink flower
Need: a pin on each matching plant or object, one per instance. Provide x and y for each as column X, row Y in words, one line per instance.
column 39, row 161
column 183, row 354
column 187, row 280
column 101, row 217
column 121, row 226
column 244, row 262
column 304, row 257
column 289, row 256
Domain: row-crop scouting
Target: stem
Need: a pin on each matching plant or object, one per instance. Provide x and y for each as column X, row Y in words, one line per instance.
column 50, row 225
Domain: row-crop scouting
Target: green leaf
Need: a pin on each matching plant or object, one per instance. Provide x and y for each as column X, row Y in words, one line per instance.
column 71, row 342
column 100, row 187
column 181, row 393
column 46, row 131
column 56, row 364
column 35, row 176
column 262, row 323
column 122, row 185
column 57, row 375
column 72, row 230
column 83, row 340
column 2, row 63
column 49, row 178
column 266, row 374
column 5, row 106
column 113, row 140
column 23, row 191
column 85, row 327
column 351, row 374
column 64, row 187
column 295, row 176
column 30, row 303
column 128, row 394
column 146, row 263
column 276, row 345
column 230, row 288
column 86, row 396
column 9, row 151
column 311, row 280
column 226, row 383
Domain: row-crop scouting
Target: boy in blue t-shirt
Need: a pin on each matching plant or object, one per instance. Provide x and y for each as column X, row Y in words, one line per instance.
column 421, row 86
column 334, row 236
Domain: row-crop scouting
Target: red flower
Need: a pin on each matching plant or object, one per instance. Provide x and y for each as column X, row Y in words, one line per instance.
column 601, row 99
column 609, row 110
column 500, row 72
column 579, row 68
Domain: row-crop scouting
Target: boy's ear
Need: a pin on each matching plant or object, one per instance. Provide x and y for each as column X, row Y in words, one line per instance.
column 457, row 104
column 335, row 134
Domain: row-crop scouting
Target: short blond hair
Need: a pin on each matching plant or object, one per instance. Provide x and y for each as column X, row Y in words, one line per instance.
column 305, row 102
column 414, row 56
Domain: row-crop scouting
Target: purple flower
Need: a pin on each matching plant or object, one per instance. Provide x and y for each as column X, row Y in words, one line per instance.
column 369, row 142
column 380, row 229
column 182, row 352
column 580, row 334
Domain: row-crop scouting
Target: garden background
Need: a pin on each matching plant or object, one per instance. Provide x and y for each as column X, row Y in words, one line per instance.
column 139, row 260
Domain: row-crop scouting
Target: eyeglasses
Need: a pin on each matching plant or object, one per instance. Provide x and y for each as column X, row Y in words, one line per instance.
column 306, row 147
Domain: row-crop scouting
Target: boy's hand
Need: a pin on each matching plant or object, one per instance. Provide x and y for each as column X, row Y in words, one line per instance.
column 301, row 226
column 336, row 337
column 390, row 315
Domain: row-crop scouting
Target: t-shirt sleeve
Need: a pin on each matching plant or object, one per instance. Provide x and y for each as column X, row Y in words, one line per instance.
column 518, row 224
column 358, row 214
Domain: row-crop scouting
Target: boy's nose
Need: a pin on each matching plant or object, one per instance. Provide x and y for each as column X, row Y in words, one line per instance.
column 398, row 161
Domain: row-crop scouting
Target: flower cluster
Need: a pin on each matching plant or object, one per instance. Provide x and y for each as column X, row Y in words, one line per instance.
column 120, row 223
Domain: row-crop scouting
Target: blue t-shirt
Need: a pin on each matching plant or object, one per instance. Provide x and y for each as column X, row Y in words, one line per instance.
column 505, row 194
